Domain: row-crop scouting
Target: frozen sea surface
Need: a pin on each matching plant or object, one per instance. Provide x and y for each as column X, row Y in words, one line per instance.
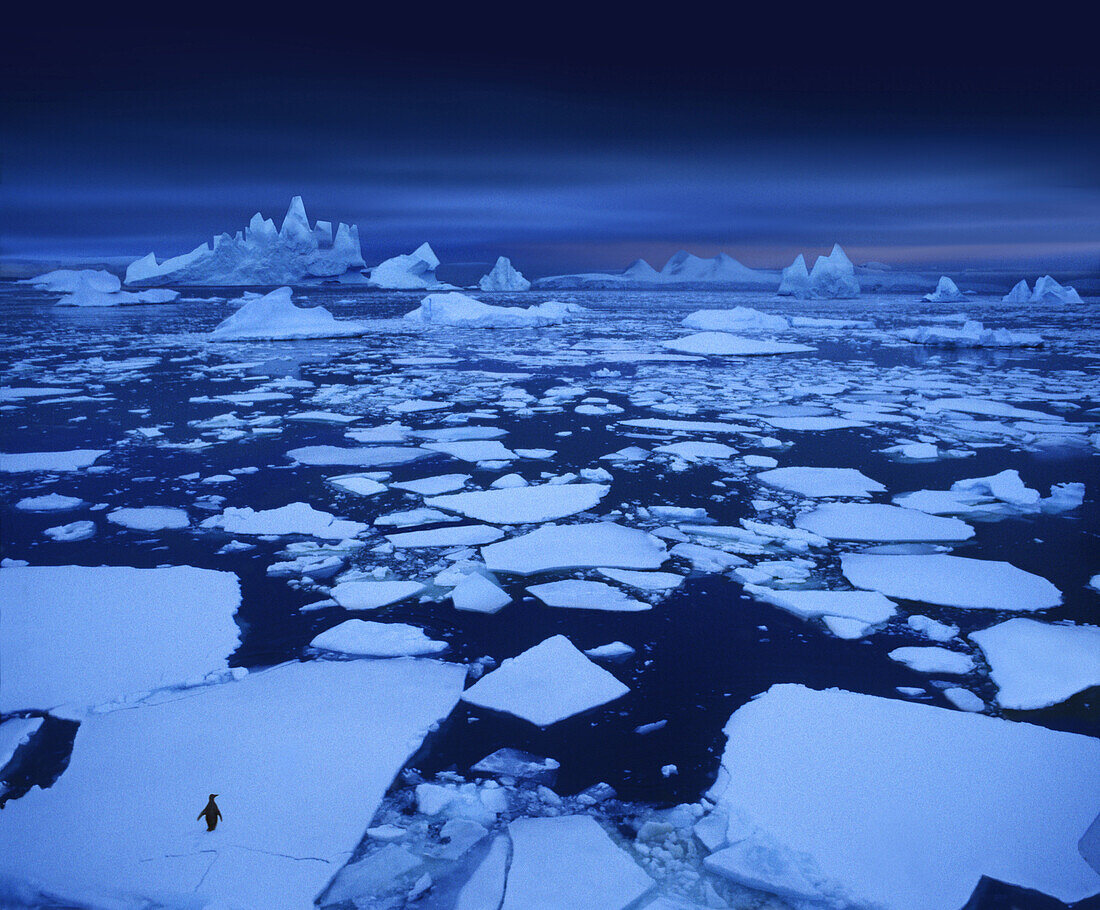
column 133, row 408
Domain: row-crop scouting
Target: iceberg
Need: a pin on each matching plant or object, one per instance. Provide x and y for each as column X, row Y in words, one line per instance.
column 972, row 335
column 834, row 277
column 69, row 281
column 1047, row 290
column 261, row 255
column 363, row 638
column 274, row 317
column 682, row 270
column 944, row 797
column 739, row 319
column 504, row 277
column 796, row 279
column 412, row 272
column 467, row 312
column 946, row 292
column 1020, row 293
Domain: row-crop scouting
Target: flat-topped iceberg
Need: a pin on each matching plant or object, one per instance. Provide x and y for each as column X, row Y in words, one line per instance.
column 467, row 312
column 972, row 335
column 504, row 277
column 848, row 800
column 413, row 271
column 275, row 317
column 259, row 255
column 946, row 292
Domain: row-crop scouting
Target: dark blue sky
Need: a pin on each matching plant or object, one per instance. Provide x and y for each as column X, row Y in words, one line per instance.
column 571, row 141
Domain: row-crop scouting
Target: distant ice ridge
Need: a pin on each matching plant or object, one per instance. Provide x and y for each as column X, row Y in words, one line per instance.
column 946, row 291
column 833, row 278
column 259, row 255
column 681, row 269
column 504, row 277
column 274, row 317
column 88, row 287
column 1047, row 290
column 412, row 272
column 971, row 335
column 468, row 312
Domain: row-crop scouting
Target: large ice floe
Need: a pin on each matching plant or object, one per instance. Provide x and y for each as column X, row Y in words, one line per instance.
column 951, row 581
column 725, row 344
column 821, row 482
column 874, row 521
column 853, row 801
column 546, row 684
column 523, row 505
column 79, row 636
column 1036, row 665
column 261, row 255
column 295, row 518
column 995, row 496
column 27, row 462
column 275, row 317
column 591, row 545
column 414, row 271
column 118, row 828
column 972, row 335
column 503, row 277
column 832, row 277
column 467, row 312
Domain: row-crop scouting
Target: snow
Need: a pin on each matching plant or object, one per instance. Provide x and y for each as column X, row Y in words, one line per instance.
column 1047, row 290
column 259, row 256
column 971, row 335
column 78, row 636
column 300, row 757
column 467, row 312
column 1036, row 665
column 503, row 277
column 723, row 344
column 575, row 546
column 946, row 292
column 925, row 659
column 821, row 482
column 295, row 518
column 523, row 505
column 739, row 319
column 74, row 460
column 545, row 867
column 370, row 595
column 575, row 594
column 951, row 581
column 362, row 638
column 478, row 594
column 411, row 272
column 878, row 521
column 150, row 518
column 50, row 502
column 275, row 317
column 546, row 684
column 796, row 279
column 857, row 801
column 833, row 277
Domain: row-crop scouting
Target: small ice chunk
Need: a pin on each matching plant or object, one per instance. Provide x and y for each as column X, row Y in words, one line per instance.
column 519, row 766
column 478, row 594
column 432, row 486
column 615, row 650
column 933, row 660
column 964, row 699
column 150, row 518
column 51, row 502
column 72, row 532
column 358, row 484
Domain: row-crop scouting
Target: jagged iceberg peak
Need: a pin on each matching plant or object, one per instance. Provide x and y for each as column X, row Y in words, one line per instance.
column 834, row 277
column 275, row 317
column 684, row 267
column 640, row 270
column 946, row 290
column 413, row 271
column 260, row 255
column 1047, row 290
column 796, row 279
column 1020, row 293
column 504, row 277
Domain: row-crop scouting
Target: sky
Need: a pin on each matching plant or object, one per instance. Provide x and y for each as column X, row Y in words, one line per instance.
column 567, row 139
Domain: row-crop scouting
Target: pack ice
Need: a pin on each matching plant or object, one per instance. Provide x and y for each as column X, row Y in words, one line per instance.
column 855, row 801
column 261, row 255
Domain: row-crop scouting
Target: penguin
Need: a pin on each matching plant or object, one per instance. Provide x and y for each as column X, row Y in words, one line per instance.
column 212, row 813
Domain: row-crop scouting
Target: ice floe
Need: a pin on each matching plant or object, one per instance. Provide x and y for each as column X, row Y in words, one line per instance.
column 49, row 502
column 261, row 255
column 78, row 636
column 546, row 684
column 877, row 521
column 370, row 595
column 995, row 798
column 724, row 344
column 822, row 482
column 576, row 546
column 971, row 335
column 92, row 291
column 867, row 608
column 460, row 310
column 363, row 638
column 150, row 518
column 478, row 594
column 523, row 505
column 1036, row 665
column 930, row 659
column 951, row 581
column 577, row 594
column 739, row 319
column 275, row 317
column 26, row 462
column 295, row 518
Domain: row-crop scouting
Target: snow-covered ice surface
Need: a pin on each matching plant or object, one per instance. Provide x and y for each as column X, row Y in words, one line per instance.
column 702, row 464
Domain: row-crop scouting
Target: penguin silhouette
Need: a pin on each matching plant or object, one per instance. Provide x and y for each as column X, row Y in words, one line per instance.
column 212, row 813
